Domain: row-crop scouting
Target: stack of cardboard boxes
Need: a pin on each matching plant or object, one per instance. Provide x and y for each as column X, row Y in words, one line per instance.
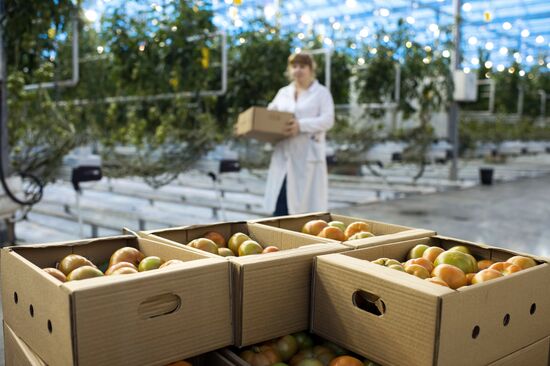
column 196, row 310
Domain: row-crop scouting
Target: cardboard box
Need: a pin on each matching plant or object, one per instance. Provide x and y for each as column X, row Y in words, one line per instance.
column 262, row 124
column 395, row 318
column 536, row 354
column 153, row 317
column 18, row 353
column 271, row 292
column 384, row 233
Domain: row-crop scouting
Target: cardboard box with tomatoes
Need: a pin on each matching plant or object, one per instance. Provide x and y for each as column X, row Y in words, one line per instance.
column 144, row 316
column 18, row 353
column 380, row 311
column 271, row 291
column 353, row 232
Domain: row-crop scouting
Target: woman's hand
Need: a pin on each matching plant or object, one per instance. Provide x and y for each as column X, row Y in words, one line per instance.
column 292, row 128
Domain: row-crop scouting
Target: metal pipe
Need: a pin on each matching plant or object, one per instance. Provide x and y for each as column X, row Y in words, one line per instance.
column 542, row 94
column 73, row 81
column 454, row 109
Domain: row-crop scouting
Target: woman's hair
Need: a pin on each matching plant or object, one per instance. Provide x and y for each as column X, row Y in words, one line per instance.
column 302, row 59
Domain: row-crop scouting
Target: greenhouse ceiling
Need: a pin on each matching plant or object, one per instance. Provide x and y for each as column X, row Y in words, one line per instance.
column 504, row 30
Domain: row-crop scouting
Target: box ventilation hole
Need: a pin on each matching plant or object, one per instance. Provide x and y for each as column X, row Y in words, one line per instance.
column 369, row 302
column 506, row 320
column 531, row 311
column 475, row 332
column 16, row 298
column 31, row 310
column 50, row 328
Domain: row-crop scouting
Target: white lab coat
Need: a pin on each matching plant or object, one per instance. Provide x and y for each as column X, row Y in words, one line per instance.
column 302, row 158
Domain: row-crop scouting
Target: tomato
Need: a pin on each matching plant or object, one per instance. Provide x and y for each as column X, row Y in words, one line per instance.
column 114, row 267
column 346, row 361
column 126, row 254
column 56, row 273
column 72, row 262
column 261, row 356
column 451, row 275
column 204, row 244
column 521, row 261
column 466, row 262
column 304, row 340
column 81, row 273
column 287, row 347
column 356, row 227
column 314, row 227
column 320, row 353
column 216, row 238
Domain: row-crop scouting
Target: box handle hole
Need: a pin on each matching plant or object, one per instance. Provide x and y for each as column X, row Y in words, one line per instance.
column 506, row 320
column 50, row 327
column 369, row 302
column 159, row 305
column 533, row 309
column 475, row 332
column 31, row 310
column 16, row 298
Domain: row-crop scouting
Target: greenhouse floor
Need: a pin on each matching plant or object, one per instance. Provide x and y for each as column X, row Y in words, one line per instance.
column 512, row 215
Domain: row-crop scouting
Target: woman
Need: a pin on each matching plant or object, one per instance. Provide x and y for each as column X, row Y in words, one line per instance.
column 297, row 180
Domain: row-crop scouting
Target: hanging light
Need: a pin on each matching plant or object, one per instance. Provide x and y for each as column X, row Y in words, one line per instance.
column 487, row 16
column 373, row 51
column 427, row 49
column 386, row 38
column 301, row 36
column 507, row 25
column 525, row 33
column 91, row 15
column 269, row 11
column 472, row 40
column 297, row 50
column 467, row 7
column 521, row 73
column 489, row 46
column 384, row 12
column 488, row 64
column 306, row 19
column 474, row 61
column 336, row 25
column 426, row 60
column 446, row 53
column 539, row 39
column 411, row 20
column 466, row 70
column 529, row 59
column 433, row 28
column 351, row 4
column 364, row 32
column 408, row 44
column 100, row 49
column 503, row 51
column 360, row 61
column 500, row 68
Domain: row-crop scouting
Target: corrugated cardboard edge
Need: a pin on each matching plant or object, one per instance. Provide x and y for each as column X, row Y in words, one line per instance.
column 538, row 354
column 17, row 352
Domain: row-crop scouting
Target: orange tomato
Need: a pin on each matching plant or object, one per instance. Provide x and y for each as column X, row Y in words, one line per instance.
column 523, row 262
column 331, row 232
column 484, row 264
column 505, row 268
column 216, row 238
column 432, row 252
column 345, row 361
column 485, row 275
column 453, row 276
column 356, row 227
column 314, row 227
column 437, row 281
column 423, row 262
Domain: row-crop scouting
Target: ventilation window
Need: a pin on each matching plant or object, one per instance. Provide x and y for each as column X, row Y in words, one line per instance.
column 533, row 309
column 506, row 320
column 50, row 328
column 475, row 332
column 369, row 302
column 31, row 310
column 16, row 298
